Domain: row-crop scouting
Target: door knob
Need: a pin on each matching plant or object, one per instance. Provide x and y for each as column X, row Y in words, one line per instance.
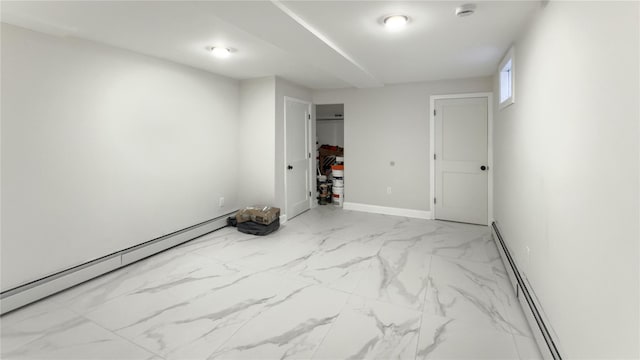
column 483, row 168
column 290, row 167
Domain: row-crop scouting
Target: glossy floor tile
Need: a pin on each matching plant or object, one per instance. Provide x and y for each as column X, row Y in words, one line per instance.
column 370, row 329
column 445, row 338
column 330, row 284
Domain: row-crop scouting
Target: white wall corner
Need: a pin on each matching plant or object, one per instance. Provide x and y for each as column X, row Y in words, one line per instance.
column 418, row 214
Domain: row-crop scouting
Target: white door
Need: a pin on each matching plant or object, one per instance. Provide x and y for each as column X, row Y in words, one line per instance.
column 461, row 169
column 297, row 117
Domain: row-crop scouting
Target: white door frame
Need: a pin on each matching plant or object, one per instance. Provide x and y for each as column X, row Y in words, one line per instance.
column 309, row 145
column 432, row 147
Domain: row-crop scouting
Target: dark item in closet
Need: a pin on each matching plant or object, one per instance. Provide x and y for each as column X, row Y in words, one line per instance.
column 252, row 228
column 327, row 157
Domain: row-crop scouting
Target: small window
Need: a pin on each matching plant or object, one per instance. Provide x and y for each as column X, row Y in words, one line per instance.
column 506, row 68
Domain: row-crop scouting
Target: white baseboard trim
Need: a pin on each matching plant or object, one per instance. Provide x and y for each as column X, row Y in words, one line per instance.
column 544, row 335
column 419, row 214
column 283, row 219
column 25, row 294
column 43, row 288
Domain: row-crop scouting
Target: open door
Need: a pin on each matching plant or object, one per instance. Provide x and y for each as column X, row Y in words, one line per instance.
column 297, row 124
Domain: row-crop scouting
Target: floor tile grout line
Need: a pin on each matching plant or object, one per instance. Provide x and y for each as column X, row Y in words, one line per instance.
column 2, row 353
column 289, row 275
column 424, row 302
column 385, row 301
column 123, row 337
column 82, row 315
column 245, row 323
column 415, row 354
column 515, row 345
column 111, row 297
column 487, row 297
column 76, row 315
column 348, row 300
column 222, row 343
column 79, row 315
column 426, row 291
column 506, row 307
column 283, row 275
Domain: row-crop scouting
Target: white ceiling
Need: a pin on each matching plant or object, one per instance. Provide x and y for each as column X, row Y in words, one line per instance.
column 318, row 44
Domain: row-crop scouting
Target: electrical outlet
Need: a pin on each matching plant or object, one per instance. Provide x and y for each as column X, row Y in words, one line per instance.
column 221, row 202
column 389, row 190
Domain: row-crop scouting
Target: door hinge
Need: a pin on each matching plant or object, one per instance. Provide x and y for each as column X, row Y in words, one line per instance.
column 434, row 112
column 309, row 155
column 309, row 116
column 309, row 193
column 434, row 200
column 434, row 156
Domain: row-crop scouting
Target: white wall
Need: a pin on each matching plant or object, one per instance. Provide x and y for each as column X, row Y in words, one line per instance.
column 330, row 132
column 329, row 111
column 285, row 88
column 256, row 161
column 103, row 149
column 566, row 173
column 261, row 154
column 387, row 124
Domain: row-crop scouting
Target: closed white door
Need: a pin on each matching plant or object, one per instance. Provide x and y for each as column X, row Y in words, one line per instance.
column 297, row 157
column 461, row 169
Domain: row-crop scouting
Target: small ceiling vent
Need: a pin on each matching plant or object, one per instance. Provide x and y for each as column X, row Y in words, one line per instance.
column 465, row 10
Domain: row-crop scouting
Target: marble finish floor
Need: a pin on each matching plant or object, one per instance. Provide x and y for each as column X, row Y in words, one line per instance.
column 330, row 284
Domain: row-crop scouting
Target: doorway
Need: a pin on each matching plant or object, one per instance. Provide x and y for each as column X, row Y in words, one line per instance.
column 330, row 184
column 297, row 151
column 461, row 178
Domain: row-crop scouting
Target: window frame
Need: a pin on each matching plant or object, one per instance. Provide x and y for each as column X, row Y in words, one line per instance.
column 508, row 57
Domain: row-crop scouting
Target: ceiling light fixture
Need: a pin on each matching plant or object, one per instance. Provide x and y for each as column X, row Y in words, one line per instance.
column 465, row 10
column 395, row 22
column 220, row 52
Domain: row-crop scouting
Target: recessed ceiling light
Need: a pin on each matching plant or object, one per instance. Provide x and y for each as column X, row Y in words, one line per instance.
column 220, row 52
column 395, row 22
column 465, row 10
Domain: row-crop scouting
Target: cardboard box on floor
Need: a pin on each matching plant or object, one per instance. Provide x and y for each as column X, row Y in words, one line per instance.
column 259, row 214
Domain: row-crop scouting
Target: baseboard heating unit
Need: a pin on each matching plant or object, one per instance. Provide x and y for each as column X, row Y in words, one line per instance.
column 545, row 337
column 35, row 290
